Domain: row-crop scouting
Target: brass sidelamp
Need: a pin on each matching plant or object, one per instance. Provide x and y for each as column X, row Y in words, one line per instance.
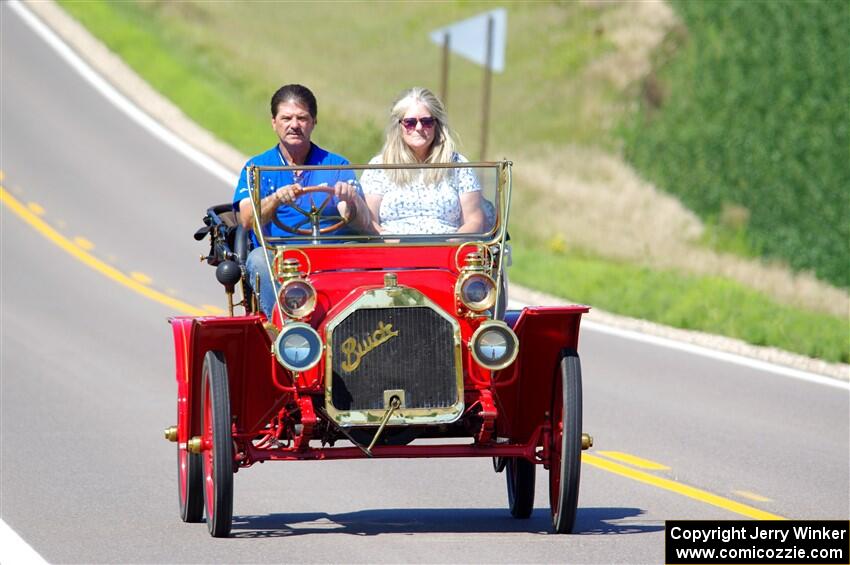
column 297, row 296
column 475, row 289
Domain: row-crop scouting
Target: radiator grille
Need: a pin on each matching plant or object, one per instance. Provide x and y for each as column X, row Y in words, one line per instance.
column 409, row 349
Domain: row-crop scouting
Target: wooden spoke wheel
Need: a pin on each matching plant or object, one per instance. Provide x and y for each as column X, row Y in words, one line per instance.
column 313, row 216
column 218, row 435
column 520, row 478
column 565, row 450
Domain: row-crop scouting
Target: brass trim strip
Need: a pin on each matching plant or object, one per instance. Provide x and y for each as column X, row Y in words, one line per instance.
column 504, row 193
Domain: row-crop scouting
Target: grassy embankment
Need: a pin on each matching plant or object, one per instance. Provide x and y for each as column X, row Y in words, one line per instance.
column 754, row 101
column 222, row 70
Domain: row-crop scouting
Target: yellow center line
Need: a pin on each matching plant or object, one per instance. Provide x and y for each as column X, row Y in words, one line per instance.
column 83, row 243
column 751, row 495
column 213, row 309
column 634, row 460
column 91, row 261
column 36, row 208
column 679, row 488
column 141, row 277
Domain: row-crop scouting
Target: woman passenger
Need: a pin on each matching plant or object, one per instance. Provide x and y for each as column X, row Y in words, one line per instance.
column 414, row 201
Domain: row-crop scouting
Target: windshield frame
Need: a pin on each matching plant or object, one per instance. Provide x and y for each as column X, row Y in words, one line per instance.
column 495, row 238
column 502, row 204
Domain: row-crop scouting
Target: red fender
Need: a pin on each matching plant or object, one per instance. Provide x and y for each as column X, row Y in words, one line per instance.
column 181, row 329
column 523, row 390
column 250, row 364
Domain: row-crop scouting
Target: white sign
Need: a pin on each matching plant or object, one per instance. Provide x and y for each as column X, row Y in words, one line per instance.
column 468, row 38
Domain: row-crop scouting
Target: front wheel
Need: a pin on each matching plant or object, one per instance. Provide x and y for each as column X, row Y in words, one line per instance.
column 565, row 449
column 218, row 459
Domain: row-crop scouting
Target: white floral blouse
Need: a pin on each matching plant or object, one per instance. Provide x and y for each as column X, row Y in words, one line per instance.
column 420, row 208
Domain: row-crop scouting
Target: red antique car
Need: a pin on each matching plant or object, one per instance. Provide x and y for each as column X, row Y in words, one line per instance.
column 376, row 343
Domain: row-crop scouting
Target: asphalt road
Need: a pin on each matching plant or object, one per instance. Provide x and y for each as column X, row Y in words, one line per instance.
column 88, row 385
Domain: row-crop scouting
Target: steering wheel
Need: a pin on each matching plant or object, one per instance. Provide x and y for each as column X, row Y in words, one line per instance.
column 314, row 215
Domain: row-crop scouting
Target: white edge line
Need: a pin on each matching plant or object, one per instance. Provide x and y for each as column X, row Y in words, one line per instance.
column 708, row 352
column 13, row 548
column 719, row 355
column 205, row 162
column 119, row 100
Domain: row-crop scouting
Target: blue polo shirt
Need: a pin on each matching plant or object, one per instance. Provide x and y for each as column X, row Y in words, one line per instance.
column 272, row 180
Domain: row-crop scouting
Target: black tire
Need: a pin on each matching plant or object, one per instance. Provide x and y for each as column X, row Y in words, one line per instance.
column 520, row 478
column 218, row 460
column 499, row 464
column 190, row 485
column 565, row 462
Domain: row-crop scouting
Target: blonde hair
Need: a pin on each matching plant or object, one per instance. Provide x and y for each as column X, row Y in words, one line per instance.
column 396, row 151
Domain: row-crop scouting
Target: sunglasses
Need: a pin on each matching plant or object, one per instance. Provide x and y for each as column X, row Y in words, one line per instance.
column 410, row 123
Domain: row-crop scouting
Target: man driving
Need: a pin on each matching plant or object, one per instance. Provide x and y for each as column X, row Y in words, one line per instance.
column 294, row 111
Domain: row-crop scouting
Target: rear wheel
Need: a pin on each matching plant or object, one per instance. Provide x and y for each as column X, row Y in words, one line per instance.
column 520, row 476
column 190, row 483
column 218, row 459
column 565, row 450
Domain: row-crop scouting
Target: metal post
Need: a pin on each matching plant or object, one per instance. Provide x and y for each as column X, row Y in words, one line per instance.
column 444, row 75
column 485, row 103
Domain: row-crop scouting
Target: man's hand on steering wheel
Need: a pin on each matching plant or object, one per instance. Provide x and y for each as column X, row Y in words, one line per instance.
column 346, row 194
column 289, row 193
